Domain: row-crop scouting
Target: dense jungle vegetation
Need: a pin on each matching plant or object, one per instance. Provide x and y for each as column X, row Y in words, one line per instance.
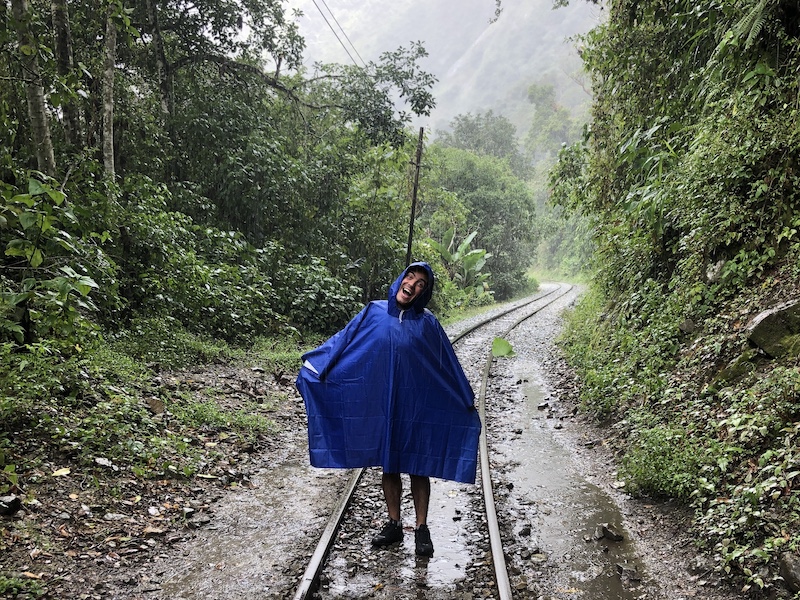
column 689, row 175
column 177, row 189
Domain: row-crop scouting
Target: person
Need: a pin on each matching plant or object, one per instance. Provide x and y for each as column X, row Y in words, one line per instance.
column 388, row 391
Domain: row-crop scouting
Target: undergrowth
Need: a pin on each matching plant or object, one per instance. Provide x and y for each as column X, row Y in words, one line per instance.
column 109, row 402
column 702, row 416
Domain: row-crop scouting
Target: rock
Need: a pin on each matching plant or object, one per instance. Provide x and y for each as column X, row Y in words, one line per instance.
column 744, row 363
column 156, row 405
column 200, row 521
column 714, row 272
column 104, row 462
column 777, row 330
column 628, row 572
column 790, row 570
column 539, row 558
column 604, row 530
column 687, row 326
column 114, row 517
column 9, row 505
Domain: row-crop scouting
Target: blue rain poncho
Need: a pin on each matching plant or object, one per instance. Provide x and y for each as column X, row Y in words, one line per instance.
column 388, row 391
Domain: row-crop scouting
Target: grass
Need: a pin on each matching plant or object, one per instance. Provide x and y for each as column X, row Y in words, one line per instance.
column 110, row 401
column 17, row 586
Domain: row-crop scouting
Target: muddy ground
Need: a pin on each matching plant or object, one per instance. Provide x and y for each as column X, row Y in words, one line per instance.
column 247, row 532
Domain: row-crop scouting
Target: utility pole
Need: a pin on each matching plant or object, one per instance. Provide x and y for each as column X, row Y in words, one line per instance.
column 417, row 165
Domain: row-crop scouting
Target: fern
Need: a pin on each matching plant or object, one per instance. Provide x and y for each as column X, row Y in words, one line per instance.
column 752, row 23
column 747, row 28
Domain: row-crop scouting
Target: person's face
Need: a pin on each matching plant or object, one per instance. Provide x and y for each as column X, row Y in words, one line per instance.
column 411, row 287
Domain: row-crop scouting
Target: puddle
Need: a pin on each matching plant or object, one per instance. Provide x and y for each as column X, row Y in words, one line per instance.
column 566, row 508
column 399, row 565
column 569, row 511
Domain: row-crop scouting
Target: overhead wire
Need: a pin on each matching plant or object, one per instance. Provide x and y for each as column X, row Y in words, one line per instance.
column 352, row 45
column 337, row 35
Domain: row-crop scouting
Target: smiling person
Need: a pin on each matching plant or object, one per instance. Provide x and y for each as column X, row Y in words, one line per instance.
column 388, row 391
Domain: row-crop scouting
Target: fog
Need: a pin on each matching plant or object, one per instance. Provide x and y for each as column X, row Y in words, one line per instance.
column 481, row 65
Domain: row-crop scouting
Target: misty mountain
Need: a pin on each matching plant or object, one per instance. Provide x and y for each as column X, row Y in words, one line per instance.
column 481, row 65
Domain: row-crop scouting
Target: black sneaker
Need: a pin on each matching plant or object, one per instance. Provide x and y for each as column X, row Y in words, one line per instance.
column 422, row 540
column 391, row 533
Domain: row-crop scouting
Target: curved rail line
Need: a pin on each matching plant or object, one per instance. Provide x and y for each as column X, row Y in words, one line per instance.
column 492, row 524
column 311, row 576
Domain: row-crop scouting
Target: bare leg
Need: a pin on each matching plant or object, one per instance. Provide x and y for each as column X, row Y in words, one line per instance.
column 392, row 532
column 421, row 492
column 392, row 492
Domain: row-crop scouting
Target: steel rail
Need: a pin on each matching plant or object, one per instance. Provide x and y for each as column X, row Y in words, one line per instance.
column 492, row 523
column 310, row 578
column 510, row 309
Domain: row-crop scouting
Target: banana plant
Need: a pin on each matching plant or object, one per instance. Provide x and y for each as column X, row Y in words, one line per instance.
column 463, row 265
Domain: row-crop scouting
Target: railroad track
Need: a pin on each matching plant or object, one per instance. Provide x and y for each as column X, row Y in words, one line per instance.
column 499, row 324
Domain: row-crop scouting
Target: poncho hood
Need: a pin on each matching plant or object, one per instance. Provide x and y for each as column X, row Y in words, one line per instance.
column 422, row 300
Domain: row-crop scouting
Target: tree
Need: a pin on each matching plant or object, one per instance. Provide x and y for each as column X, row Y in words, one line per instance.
column 552, row 127
column 486, row 134
column 34, row 89
column 65, row 65
column 110, row 55
column 500, row 208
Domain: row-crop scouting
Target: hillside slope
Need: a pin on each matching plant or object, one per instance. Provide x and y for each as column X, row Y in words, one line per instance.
column 690, row 178
column 480, row 65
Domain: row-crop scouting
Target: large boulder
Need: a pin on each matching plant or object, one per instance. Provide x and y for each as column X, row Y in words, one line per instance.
column 790, row 570
column 777, row 330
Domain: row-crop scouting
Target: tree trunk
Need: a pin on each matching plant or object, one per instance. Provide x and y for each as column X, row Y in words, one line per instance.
column 34, row 91
column 162, row 66
column 64, row 63
column 110, row 51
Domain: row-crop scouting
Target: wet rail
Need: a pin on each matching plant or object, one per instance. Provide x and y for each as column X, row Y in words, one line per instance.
column 310, row 579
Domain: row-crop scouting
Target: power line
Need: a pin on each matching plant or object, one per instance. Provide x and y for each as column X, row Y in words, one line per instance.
column 337, row 35
column 352, row 45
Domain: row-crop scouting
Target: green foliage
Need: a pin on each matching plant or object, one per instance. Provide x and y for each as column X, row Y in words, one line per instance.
column 100, row 404
column 215, row 283
column 281, row 354
column 163, row 341
column 552, row 127
column 374, row 220
column 500, row 208
column 312, row 297
column 750, row 502
column 501, row 348
column 693, row 199
column 464, row 265
column 41, row 296
column 661, row 460
column 208, row 281
column 16, row 586
column 486, row 134
column 208, row 416
column 366, row 95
